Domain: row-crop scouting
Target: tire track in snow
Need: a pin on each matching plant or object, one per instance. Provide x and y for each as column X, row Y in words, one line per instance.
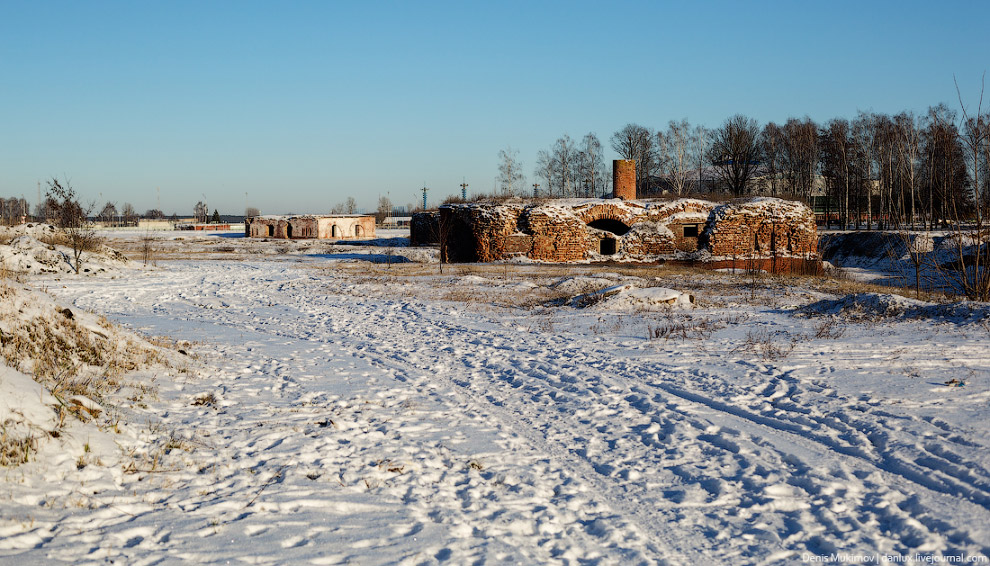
column 715, row 447
column 845, row 439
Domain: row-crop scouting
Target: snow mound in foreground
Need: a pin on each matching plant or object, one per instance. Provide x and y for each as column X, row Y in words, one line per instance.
column 631, row 298
column 26, row 413
column 879, row 305
column 25, row 253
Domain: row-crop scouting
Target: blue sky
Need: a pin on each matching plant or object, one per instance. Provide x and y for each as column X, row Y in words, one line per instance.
column 303, row 104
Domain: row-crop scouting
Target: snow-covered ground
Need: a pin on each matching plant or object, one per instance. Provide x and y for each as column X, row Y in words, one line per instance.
column 345, row 404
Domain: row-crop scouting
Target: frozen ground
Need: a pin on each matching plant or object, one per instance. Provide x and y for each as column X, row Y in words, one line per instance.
column 341, row 406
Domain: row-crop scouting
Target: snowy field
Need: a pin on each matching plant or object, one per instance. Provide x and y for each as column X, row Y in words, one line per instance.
column 341, row 404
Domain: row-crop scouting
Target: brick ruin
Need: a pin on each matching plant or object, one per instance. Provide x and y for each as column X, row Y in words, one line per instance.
column 760, row 233
column 335, row 227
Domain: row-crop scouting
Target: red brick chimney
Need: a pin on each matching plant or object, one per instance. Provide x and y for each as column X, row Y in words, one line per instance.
column 624, row 179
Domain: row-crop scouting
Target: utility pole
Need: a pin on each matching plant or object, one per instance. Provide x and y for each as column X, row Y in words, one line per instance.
column 424, row 195
column 536, row 190
column 464, row 187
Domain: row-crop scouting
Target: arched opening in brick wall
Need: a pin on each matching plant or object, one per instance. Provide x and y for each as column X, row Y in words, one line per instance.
column 334, row 231
column 357, row 230
column 271, row 230
column 288, row 230
column 610, row 225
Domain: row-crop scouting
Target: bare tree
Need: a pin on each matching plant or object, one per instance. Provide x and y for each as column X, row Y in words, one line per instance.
column 863, row 154
column 564, row 158
column 129, row 214
column 108, row 213
column 908, row 149
column 801, row 155
column 972, row 244
column 944, row 173
column 510, row 175
column 71, row 217
column 772, row 145
column 251, row 212
column 976, row 137
column 836, row 147
column 384, row 210
column 735, row 152
column 545, row 169
column 591, row 170
column 677, row 154
column 350, row 205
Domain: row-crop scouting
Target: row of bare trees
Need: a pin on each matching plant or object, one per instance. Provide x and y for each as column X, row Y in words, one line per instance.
column 567, row 169
column 13, row 210
column 573, row 169
column 876, row 170
column 666, row 160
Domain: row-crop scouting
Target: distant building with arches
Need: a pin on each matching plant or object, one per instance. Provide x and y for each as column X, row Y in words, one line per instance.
column 328, row 227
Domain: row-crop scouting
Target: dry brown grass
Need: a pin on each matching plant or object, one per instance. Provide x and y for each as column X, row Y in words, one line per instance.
column 15, row 449
column 68, row 358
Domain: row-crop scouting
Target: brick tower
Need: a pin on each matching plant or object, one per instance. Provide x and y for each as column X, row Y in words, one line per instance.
column 624, row 179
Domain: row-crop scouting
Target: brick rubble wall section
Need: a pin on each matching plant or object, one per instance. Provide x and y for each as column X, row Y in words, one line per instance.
column 762, row 229
column 558, row 234
column 424, row 229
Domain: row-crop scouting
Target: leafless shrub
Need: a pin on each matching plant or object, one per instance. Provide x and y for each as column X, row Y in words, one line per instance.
column 687, row 326
column 771, row 346
column 830, row 329
column 667, row 330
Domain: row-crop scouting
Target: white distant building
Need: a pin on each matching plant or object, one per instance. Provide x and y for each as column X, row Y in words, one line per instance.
column 397, row 222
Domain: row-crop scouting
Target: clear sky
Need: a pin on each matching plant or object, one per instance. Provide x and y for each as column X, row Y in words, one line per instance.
column 294, row 106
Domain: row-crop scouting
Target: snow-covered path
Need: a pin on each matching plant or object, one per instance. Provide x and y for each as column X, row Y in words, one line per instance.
column 367, row 428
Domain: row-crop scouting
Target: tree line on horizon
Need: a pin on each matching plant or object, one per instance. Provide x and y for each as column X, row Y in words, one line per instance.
column 877, row 169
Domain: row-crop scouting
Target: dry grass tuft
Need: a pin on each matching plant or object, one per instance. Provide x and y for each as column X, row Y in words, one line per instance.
column 15, row 449
column 770, row 346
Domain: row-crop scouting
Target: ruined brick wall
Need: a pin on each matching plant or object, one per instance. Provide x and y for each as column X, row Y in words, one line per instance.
column 558, row 234
column 267, row 227
column 424, row 229
column 624, row 179
column 648, row 238
column 679, row 215
column 571, row 231
column 302, row 227
column 762, row 227
column 476, row 232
